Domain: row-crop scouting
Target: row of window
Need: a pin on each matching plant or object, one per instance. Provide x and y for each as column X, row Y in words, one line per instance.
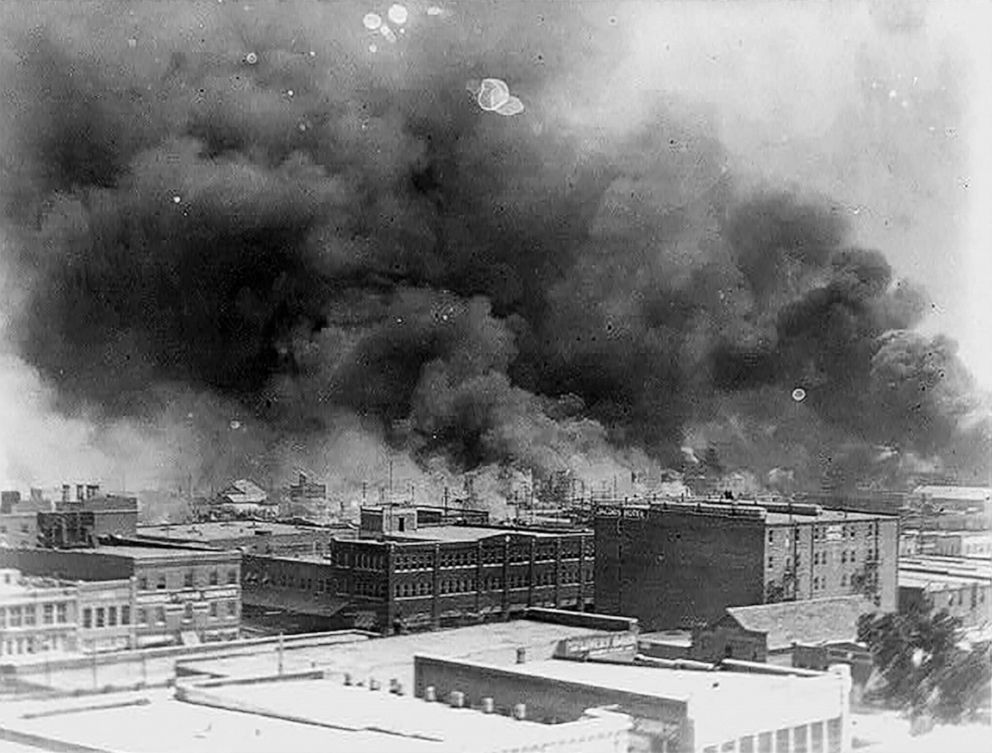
column 812, row 738
column 359, row 560
column 490, row 583
column 27, row 615
column 157, row 614
column 189, row 579
column 105, row 616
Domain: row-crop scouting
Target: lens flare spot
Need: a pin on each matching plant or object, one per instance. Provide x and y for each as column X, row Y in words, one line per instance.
column 251, row 58
column 512, row 106
column 493, row 94
column 372, row 21
column 397, row 14
column 799, row 394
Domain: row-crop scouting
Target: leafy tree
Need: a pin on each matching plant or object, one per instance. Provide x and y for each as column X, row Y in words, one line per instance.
column 925, row 666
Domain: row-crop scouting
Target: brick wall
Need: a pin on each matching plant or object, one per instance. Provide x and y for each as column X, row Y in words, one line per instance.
column 674, row 569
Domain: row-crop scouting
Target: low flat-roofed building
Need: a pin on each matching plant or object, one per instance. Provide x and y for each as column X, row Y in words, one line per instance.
column 501, row 643
column 957, row 585
column 295, row 715
column 673, row 710
column 768, row 632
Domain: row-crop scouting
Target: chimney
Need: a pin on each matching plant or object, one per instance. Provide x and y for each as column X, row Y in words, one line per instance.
column 430, row 694
column 487, row 705
column 520, row 712
column 65, row 492
column 456, row 699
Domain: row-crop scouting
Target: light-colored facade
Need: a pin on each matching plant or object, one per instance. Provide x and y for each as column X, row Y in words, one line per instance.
column 37, row 615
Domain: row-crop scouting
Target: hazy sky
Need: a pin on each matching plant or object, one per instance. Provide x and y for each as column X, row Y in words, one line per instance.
column 884, row 107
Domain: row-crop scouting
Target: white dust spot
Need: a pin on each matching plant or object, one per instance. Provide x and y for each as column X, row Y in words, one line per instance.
column 512, row 106
column 132, row 43
column 397, row 14
column 905, row 104
column 893, row 94
column 433, row 10
column 387, row 33
column 372, row 21
column 313, row 53
column 235, row 425
column 493, row 94
column 302, row 127
column 373, row 48
column 289, row 93
column 251, row 58
column 177, row 199
column 799, row 394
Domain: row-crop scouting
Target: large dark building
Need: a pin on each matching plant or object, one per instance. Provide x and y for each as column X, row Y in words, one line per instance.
column 681, row 564
column 398, row 576
column 82, row 521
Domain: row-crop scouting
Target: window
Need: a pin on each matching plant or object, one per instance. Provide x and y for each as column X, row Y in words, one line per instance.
column 48, row 614
column 232, row 577
column 160, row 615
column 843, row 557
column 29, row 616
column 188, row 611
column 87, row 617
column 232, row 608
column 61, row 613
column 143, row 583
column 843, row 580
column 771, row 536
column 771, row 562
column 112, row 616
column 160, row 584
column 125, row 615
column 15, row 616
column 213, row 609
column 213, row 577
column 188, row 579
column 142, row 617
column 101, row 617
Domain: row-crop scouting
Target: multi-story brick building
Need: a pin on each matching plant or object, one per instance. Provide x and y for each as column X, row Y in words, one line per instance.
column 398, row 576
column 680, row 564
column 178, row 595
column 84, row 520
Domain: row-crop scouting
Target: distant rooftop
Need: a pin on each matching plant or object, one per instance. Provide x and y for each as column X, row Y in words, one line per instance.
column 145, row 552
column 220, row 530
column 467, row 533
column 958, row 493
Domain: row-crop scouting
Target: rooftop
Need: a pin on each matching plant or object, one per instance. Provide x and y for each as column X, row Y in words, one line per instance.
column 219, row 531
column 145, row 552
column 385, row 658
column 807, row 621
column 671, row 684
column 962, row 493
column 468, row 533
column 930, row 581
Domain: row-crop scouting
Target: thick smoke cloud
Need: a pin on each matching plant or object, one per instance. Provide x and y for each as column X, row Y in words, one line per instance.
column 251, row 209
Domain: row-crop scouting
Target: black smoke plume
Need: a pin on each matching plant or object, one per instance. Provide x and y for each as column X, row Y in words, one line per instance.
column 248, row 204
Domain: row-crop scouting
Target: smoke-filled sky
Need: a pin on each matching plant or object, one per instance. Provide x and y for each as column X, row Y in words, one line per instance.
column 239, row 238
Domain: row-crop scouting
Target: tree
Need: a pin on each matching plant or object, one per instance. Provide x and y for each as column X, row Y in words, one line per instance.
column 925, row 666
